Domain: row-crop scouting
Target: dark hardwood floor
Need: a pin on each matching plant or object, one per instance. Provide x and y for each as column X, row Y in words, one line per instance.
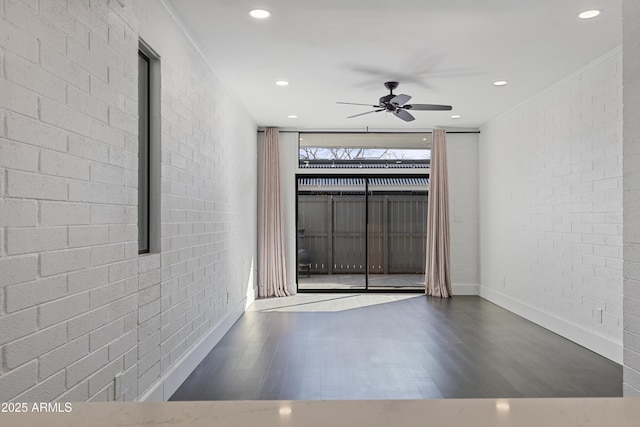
column 414, row 348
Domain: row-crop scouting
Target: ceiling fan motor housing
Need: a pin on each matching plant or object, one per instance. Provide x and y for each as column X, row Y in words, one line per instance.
column 384, row 102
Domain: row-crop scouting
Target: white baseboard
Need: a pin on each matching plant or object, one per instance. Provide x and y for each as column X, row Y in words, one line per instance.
column 251, row 297
column 465, row 289
column 597, row 343
column 162, row 390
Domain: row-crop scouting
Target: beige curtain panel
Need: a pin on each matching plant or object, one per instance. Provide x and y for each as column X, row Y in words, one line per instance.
column 438, row 267
column 271, row 271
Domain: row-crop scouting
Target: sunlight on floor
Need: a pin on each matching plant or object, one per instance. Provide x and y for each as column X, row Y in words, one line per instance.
column 326, row 302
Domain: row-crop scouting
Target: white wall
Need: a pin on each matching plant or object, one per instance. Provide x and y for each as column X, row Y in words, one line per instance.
column 462, row 152
column 631, row 72
column 82, row 316
column 551, row 208
column 462, row 163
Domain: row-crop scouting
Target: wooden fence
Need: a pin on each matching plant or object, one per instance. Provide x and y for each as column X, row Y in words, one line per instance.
column 335, row 232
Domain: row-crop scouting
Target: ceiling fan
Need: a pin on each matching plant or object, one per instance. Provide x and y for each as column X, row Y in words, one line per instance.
column 397, row 104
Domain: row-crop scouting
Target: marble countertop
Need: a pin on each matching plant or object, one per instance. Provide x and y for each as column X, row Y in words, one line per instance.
column 565, row 412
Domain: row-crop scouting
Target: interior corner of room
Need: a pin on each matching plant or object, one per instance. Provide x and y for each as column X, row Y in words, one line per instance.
column 132, row 138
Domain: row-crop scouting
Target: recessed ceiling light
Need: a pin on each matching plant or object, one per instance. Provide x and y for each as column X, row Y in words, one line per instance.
column 259, row 13
column 500, row 83
column 588, row 14
column 282, row 83
column 292, row 116
column 456, row 116
column 424, row 139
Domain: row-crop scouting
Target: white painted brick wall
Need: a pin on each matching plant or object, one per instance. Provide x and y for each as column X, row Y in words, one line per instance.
column 29, row 240
column 46, row 390
column 78, row 305
column 631, row 168
column 551, row 200
column 63, row 356
column 18, row 325
column 205, row 195
column 59, row 262
column 52, row 214
column 64, row 165
column 107, row 254
column 30, row 75
column 20, row 351
column 18, row 380
column 18, row 269
column 88, row 236
column 19, row 99
column 22, row 157
column 34, row 293
column 18, row 213
column 83, row 368
column 62, row 309
column 33, row 132
column 90, row 321
column 35, row 186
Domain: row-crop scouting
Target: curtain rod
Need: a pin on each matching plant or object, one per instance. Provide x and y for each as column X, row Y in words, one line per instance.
column 371, row 132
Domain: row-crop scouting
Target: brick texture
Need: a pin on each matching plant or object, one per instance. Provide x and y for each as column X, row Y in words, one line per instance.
column 78, row 305
column 631, row 168
column 551, row 200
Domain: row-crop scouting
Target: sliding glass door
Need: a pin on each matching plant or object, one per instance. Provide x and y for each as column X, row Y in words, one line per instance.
column 359, row 233
column 397, row 233
column 332, row 233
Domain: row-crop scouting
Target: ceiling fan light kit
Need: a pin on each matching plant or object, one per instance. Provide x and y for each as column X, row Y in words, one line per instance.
column 397, row 105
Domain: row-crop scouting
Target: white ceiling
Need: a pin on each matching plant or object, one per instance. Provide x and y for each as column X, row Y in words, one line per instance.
column 441, row 52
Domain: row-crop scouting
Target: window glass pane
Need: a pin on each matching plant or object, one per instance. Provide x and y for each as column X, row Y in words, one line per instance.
column 363, row 153
column 371, row 150
column 143, row 153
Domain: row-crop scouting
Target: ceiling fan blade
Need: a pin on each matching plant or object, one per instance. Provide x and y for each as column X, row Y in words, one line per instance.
column 400, row 99
column 368, row 112
column 428, row 107
column 353, row 103
column 404, row 115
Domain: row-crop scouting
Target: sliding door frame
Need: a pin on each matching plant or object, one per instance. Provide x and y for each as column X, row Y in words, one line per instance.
column 367, row 177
